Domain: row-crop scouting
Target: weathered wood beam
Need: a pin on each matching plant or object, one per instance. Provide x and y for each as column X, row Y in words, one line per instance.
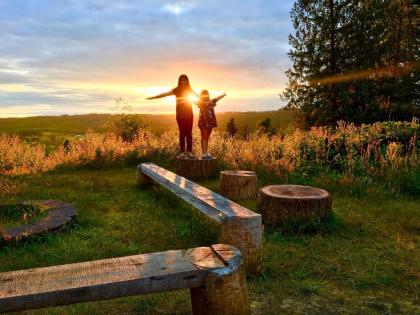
column 240, row 227
column 124, row 276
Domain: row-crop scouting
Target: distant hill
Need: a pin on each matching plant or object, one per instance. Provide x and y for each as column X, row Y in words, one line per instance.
column 78, row 124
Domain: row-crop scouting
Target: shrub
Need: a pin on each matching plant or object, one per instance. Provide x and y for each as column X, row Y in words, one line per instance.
column 126, row 126
column 382, row 152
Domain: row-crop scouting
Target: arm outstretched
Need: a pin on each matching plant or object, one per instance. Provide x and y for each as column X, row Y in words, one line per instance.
column 160, row 95
column 216, row 99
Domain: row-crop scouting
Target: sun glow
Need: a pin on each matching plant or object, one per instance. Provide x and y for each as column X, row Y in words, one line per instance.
column 193, row 98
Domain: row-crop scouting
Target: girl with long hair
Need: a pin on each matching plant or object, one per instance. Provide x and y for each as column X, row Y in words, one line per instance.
column 184, row 113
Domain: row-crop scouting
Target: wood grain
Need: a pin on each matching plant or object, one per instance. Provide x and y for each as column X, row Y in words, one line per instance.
column 196, row 168
column 279, row 204
column 240, row 226
column 238, row 185
column 115, row 277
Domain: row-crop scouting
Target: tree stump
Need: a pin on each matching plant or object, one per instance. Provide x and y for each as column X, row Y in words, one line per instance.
column 279, row 204
column 237, row 185
column 196, row 168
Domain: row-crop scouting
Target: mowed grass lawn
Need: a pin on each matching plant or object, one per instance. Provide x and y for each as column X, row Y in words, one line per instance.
column 365, row 261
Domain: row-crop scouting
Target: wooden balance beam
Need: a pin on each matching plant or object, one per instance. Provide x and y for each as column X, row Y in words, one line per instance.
column 240, row 227
column 213, row 274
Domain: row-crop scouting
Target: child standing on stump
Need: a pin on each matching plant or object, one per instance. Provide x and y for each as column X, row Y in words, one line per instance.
column 207, row 120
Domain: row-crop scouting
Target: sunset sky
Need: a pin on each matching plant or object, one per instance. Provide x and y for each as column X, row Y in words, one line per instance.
column 77, row 56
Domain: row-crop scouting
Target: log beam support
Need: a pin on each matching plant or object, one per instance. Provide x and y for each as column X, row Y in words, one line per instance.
column 223, row 291
column 246, row 234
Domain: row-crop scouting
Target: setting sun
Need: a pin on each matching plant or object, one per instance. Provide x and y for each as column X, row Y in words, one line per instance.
column 193, row 98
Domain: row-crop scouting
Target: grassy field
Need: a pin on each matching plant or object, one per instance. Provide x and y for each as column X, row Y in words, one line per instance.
column 364, row 261
column 78, row 124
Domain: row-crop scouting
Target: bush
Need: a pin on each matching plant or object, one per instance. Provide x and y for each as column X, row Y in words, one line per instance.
column 385, row 153
column 126, row 126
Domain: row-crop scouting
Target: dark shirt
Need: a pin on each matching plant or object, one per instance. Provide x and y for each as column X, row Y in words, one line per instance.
column 183, row 103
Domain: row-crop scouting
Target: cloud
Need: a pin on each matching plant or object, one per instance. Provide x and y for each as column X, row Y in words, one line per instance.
column 97, row 50
column 176, row 9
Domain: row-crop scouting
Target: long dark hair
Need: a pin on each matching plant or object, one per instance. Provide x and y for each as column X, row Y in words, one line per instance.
column 187, row 86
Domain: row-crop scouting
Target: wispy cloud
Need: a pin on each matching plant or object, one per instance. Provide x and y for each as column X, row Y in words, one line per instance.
column 78, row 55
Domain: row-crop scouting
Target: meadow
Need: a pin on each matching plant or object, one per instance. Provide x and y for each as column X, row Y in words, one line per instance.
column 78, row 124
column 363, row 260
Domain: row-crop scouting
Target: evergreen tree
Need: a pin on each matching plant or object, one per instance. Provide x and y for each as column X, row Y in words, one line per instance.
column 265, row 126
column 353, row 60
column 231, row 127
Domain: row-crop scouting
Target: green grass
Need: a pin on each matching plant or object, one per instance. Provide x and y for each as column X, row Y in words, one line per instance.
column 364, row 260
column 44, row 126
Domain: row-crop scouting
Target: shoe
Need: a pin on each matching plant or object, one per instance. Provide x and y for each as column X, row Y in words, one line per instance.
column 190, row 155
column 182, row 156
column 206, row 157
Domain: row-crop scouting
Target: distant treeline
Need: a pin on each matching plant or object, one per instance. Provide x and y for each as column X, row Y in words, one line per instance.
column 78, row 124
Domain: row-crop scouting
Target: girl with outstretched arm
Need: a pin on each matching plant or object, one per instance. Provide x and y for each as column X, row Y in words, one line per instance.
column 184, row 113
column 207, row 120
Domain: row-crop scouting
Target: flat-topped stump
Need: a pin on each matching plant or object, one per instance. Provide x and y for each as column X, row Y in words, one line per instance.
column 279, row 204
column 57, row 215
column 196, row 168
column 213, row 274
column 238, row 185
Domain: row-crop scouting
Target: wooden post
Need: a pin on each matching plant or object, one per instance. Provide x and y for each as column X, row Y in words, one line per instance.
column 223, row 290
column 142, row 179
column 196, row 168
column 246, row 234
column 237, row 185
column 279, row 204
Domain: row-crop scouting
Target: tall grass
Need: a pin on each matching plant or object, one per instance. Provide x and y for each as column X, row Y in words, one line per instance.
column 383, row 151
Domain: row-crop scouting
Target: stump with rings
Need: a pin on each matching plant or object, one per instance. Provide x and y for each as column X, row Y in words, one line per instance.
column 279, row 204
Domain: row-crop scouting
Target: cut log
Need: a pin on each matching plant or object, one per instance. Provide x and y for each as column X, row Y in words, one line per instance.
column 209, row 269
column 279, row 204
column 222, row 292
column 196, row 168
column 238, row 185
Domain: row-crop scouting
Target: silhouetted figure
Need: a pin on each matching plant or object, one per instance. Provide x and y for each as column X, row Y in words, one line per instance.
column 207, row 120
column 184, row 113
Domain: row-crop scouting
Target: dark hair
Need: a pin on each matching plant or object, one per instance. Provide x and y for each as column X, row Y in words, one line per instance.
column 205, row 94
column 184, row 77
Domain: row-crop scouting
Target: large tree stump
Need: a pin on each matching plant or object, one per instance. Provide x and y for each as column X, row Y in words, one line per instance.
column 196, row 168
column 237, row 185
column 279, row 204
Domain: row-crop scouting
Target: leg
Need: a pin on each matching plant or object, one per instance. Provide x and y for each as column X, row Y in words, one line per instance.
column 203, row 134
column 208, row 139
column 205, row 140
column 181, row 135
column 188, row 132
